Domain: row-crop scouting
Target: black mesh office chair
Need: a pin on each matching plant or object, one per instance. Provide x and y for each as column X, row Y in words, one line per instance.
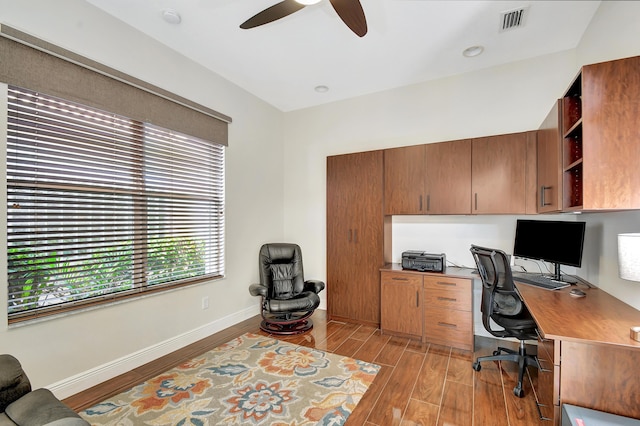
column 287, row 299
column 501, row 303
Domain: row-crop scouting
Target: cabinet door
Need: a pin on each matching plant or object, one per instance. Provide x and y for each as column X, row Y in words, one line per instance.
column 340, row 176
column 448, row 178
column 499, row 172
column 401, row 304
column 549, row 167
column 611, row 140
column 355, row 236
column 404, row 174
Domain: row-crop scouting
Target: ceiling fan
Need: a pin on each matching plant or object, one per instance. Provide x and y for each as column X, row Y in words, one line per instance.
column 350, row 11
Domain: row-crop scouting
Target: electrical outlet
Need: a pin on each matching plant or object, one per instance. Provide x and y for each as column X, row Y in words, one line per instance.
column 205, row 302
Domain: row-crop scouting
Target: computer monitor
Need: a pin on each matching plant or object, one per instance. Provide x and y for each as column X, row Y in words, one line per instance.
column 557, row 242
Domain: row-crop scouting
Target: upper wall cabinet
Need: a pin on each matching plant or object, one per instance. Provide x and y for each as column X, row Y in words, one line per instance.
column 428, row 179
column 404, row 177
column 503, row 174
column 601, row 140
column 448, row 182
column 549, row 188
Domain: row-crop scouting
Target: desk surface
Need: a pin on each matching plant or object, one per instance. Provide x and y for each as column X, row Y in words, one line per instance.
column 596, row 318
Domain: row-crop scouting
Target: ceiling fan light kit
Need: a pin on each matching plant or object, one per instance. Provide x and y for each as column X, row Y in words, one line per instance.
column 350, row 11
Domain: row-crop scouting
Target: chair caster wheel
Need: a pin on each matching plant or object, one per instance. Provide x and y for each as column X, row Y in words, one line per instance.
column 518, row 391
column 476, row 366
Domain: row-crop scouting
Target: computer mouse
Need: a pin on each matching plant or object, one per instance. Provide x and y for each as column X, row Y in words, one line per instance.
column 576, row 292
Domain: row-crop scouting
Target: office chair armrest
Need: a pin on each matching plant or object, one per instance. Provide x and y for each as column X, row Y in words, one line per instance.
column 258, row 290
column 315, row 286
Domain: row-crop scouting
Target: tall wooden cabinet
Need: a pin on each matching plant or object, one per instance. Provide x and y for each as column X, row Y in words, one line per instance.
column 355, row 236
column 601, row 140
column 549, row 188
column 503, row 174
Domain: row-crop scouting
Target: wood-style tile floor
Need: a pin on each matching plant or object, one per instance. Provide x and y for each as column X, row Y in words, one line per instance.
column 418, row 384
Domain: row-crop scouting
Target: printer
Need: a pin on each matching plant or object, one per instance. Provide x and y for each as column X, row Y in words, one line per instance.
column 425, row 262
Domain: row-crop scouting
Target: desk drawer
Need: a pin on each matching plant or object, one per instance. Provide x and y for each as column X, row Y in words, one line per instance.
column 448, row 292
column 457, row 298
column 446, row 326
column 400, row 277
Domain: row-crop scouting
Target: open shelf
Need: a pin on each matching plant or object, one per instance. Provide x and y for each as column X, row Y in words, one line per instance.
column 572, row 146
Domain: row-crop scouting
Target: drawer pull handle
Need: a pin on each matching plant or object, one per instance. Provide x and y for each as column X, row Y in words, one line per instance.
column 449, row 299
column 400, row 279
column 446, row 324
column 446, row 283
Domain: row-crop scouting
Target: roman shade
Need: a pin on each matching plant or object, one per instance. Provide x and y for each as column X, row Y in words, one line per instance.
column 35, row 64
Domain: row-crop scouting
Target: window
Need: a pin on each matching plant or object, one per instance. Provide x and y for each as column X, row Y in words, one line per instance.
column 102, row 207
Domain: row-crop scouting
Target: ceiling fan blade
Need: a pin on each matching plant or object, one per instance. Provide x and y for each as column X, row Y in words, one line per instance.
column 351, row 13
column 273, row 13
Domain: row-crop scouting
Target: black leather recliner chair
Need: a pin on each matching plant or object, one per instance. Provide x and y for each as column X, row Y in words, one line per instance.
column 19, row 405
column 287, row 299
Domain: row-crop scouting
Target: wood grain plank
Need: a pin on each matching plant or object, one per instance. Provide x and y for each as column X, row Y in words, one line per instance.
column 392, row 351
column 372, row 347
column 430, row 380
column 419, row 413
column 394, row 398
column 457, row 404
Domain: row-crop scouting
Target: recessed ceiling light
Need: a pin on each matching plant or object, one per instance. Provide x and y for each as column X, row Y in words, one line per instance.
column 171, row 16
column 321, row 89
column 472, row 51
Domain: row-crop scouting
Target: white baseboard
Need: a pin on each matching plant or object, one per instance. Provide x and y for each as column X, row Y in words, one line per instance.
column 80, row 382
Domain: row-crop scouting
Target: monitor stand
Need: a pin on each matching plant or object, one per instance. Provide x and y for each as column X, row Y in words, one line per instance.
column 557, row 275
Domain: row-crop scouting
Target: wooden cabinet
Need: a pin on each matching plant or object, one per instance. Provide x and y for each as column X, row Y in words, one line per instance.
column 404, row 178
column 448, row 177
column 355, row 236
column 549, row 167
column 428, row 179
column 601, row 143
column 503, row 174
column 448, row 316
column 436, row 308
column 401, row 309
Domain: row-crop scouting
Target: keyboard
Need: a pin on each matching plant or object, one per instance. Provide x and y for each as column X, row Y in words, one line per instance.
column 539, row 281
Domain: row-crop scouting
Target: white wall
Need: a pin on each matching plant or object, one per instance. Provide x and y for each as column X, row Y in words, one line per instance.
column 510, row 98
column 93, row 345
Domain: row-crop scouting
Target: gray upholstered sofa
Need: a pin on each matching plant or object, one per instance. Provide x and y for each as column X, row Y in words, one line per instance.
column 19, row 405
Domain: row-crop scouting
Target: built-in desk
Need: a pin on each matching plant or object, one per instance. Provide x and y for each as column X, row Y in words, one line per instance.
column 594, row 361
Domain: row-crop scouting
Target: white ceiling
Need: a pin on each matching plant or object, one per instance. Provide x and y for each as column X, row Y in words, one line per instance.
column 409, row 41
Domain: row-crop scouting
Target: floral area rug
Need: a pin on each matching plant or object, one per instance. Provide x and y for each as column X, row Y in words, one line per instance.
column 251, row 380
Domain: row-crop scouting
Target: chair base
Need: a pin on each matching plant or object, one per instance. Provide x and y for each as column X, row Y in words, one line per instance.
column 286, row 329
column 286, row 324
column 520, row 356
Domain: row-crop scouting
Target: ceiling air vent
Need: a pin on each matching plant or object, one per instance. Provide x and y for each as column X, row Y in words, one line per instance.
column 512, row 19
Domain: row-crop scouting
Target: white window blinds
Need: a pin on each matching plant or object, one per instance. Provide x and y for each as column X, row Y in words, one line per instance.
column 101, row 206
